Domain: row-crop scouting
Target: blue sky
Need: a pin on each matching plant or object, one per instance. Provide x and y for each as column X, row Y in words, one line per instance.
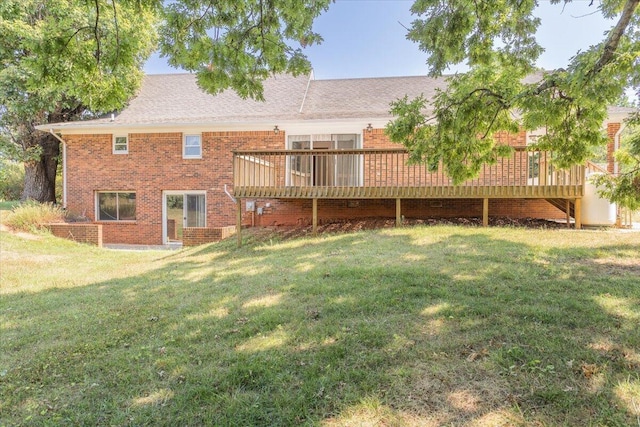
column 366, row 38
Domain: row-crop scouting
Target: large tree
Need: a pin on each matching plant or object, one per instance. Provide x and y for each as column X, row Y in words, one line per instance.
column 504, row 91
column 63, row 60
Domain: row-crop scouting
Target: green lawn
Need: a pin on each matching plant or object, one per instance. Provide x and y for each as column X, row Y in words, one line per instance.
column 8, row 205
column 424, row 326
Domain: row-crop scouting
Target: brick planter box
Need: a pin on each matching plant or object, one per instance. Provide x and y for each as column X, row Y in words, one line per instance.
column 79, row 232
column 194, row 236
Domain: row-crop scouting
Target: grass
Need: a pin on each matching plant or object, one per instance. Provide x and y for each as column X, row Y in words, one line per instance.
column 7, row 205
column 33, row 216
column 412, row 326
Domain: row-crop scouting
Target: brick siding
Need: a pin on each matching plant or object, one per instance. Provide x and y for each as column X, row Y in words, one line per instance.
column 82, row 233
column 154, row 164
column 194, row 236
column 612, row 129
column 298, row 212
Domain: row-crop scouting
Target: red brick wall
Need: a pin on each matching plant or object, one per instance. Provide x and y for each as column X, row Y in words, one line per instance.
column 298, row 212
column 612, row 129
column 82, row 233
column 194, row 236
column 155, row 164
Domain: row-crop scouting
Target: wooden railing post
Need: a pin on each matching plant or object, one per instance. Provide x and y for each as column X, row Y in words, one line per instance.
column 239, row 221
column 398, row 212
column 382, row 173
column 485, row 212
column 314, row 217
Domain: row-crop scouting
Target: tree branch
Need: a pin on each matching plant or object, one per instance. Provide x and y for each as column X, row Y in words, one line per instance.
column 115, row 21
column 96, row 31
column 613, row 40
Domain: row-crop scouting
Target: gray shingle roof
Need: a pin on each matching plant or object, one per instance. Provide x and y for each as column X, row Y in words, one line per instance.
column 362, row 98
column 168, row 99
column 176, row 98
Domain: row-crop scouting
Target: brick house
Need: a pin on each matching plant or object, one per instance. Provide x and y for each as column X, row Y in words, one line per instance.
column 179, row 164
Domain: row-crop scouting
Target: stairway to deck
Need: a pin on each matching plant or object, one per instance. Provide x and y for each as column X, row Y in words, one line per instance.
column 562, row 205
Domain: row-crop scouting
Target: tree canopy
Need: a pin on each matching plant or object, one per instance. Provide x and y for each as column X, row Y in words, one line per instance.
column 64, row 60
column 504, row 91
column 237, row 44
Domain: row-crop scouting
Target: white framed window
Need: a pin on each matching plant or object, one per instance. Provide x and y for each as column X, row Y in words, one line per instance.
column 192, row 147
column 116, row 206
column 321, row 169
column 120, row 144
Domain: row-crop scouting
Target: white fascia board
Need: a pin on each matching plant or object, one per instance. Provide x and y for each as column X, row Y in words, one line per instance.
column 126, row 128
column 288, row 126
column 331, row 126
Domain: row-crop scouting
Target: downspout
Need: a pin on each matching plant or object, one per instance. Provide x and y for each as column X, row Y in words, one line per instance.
column 233, row 199
column 64, row 167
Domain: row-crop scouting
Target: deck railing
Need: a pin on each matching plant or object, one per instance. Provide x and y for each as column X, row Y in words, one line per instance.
column 385, row 173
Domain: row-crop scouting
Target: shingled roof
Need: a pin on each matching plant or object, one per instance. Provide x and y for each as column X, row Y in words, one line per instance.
column 176, row 99
column 166, row 99
column 364, row 98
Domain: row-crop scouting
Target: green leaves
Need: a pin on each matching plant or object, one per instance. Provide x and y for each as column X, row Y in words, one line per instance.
column 624, row 188
column 479, row 32
column 63, row 60
column 58, row 55
column 237, row 44
column 503, row 91
column 462, row 129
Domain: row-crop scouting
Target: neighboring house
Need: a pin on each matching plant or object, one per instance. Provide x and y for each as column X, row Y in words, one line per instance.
column 169, row 166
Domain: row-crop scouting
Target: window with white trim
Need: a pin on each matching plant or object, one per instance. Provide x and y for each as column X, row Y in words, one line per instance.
column 116, row 206
column 321, row 169
column 192, row 147
column 120, row 145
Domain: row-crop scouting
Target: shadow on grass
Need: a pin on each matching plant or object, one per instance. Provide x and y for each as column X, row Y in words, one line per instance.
column 395, row 328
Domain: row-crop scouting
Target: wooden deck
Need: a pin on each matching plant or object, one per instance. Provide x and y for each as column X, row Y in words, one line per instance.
column 386, row 174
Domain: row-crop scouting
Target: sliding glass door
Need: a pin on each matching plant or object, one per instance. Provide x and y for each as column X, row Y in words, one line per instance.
column 324, row 169
column 182, row 209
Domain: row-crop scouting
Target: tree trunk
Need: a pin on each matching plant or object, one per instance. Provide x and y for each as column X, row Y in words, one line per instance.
column 40, row 174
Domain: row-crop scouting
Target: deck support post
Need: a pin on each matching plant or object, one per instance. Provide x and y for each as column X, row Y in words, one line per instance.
column 485, row 212
column 577, row 214
column 314, row 217
column 398, row 212
column 239, row 221
column 568, row 212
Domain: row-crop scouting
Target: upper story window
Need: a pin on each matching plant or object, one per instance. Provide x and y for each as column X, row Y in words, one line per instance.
column 192, row 147
column 120, row 145
column 116, row 206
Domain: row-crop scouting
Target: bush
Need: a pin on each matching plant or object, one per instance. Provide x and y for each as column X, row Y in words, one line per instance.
column 11, row 180
column 33, row 216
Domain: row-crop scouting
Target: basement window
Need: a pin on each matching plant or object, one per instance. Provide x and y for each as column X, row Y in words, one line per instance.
column 116, row 206
column 120, row 145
